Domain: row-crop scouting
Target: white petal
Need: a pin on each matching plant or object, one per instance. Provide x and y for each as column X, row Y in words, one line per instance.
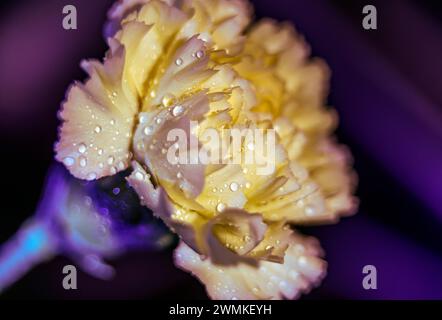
column 95, row 135
column 302, row 270
column 152, row 146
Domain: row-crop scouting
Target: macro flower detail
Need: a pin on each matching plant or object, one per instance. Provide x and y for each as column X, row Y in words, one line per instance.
column 223, row 128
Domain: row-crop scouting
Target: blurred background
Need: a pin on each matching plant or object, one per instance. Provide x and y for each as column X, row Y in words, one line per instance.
column 386, row 85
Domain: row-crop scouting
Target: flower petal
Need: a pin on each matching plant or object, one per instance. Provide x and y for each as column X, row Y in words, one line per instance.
column 95, row 135
column 181, row 221
column 232, row 233
column 154, row 148
column 302, row 270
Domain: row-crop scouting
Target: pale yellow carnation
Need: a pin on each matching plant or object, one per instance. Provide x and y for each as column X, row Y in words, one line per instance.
column 174, row 62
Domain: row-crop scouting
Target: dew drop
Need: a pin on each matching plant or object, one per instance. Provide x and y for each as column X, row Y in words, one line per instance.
column 234, row 186
column 100, row 152
column 139, row 176
column 110, row 160
column 82, row 148
column 177, row 110
column 148, row 130
column 97, row 129
column 143, row 118
column 116, row 191
column 92, row 176
column 140, row 145
column 167, row 100
column 68, row 161
column 179, row 61
column 83, row 162
column 302, row 260
column 220, row 207
column 199, row 54
column 309, row 211
column 179, row 175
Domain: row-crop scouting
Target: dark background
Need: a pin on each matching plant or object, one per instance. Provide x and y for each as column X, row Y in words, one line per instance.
column 386, row 85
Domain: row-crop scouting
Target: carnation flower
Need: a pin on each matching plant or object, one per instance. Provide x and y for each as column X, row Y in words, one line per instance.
column 173, row 64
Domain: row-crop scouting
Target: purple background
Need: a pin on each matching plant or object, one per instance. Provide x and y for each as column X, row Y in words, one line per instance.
column 386, row 85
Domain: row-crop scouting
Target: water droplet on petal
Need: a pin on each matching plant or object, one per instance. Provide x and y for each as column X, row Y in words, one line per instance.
column 148, row 130
column 110, row 160
column 68, row 161
column 83, row 162
column 179, row 61
column 199, row 54
column 97, row 129
column 177, row 110
column 82, row 148
column 139, row 176
column 309, row 211
column 220, row 207
column 167, row 100
column 92, row 176
column 234, row 186
column 140, row 145
column 143, row 118
column 302, row 260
